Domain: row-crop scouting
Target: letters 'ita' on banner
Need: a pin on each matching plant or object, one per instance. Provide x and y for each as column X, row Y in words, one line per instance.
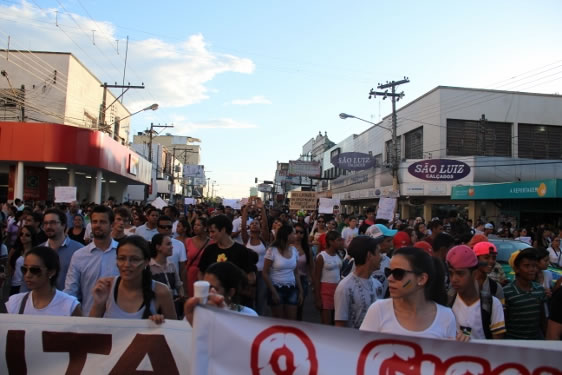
column 229, row 343
column 32, row 344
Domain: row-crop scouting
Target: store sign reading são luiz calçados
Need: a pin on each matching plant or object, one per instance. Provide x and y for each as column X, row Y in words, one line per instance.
column 439, row 170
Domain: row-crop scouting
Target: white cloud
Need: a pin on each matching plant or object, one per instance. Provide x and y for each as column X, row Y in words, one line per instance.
column 174, row 74
column 183, row 127
column 252, row 100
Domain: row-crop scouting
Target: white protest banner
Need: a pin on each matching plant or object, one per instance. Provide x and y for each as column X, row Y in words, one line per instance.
column 189, row 201
column 302, row 200
column 232, row 203
column 65, row 194
column 228, row 343
column 386, row 208
column 159, row 203
column 327, row 205
column 36, row 344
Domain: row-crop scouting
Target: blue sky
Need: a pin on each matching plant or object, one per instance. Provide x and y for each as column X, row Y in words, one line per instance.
column 255, row 80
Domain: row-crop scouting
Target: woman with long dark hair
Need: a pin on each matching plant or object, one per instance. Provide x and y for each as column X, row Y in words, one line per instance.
column 133, row 294
column 281, row 276
column 195, row 247
column 164, row 271
column 27, row 239
column 78, row 229
column 183, row 230
column 40, row 269
column 305, row 265
column 417, row 291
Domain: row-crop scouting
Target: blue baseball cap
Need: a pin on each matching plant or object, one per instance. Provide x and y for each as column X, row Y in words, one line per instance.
column 385, row 231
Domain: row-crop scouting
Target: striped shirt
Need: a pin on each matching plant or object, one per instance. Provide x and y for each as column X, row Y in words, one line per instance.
column 523, row 311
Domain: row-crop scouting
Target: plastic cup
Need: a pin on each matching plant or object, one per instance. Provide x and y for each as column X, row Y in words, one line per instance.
column 201, row 290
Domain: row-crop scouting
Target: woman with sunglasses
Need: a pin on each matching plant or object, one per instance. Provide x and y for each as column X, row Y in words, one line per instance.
column 133, row 294
column 27, row 239
column 40, row 269
column 417, row 291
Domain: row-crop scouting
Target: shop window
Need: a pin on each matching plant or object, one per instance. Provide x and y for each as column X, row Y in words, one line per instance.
column 413, row 148
column 540, row 141
column 483, row 138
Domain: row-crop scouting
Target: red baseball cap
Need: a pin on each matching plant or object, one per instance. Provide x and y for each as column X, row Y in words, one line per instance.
column 462, row 256
column 484, row 248
column 425, row 246
column 401, row 239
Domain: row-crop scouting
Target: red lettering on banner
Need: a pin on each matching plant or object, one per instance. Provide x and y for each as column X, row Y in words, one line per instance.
column 283, row 342
column 77, row 345
column 158, row 351
column 15, row 352
column 394, row 357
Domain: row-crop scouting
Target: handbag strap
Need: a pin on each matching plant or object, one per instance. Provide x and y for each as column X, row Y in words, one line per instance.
column 23, row 302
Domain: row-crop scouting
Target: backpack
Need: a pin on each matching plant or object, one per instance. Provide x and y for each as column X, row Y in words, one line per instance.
column 486, row 303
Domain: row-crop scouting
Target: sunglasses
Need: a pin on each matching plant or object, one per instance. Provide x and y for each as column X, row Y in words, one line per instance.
column 33, row 270
column 165, row 226
column 397, row 273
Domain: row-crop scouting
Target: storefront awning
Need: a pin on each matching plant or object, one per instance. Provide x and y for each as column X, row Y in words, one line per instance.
column 551, row 188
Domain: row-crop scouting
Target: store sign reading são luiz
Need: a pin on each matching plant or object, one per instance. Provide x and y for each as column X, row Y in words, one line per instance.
column 439, row 170
column 353, row 161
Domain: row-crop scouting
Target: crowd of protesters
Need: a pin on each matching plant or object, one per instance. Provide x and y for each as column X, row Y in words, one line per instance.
column 437, row 279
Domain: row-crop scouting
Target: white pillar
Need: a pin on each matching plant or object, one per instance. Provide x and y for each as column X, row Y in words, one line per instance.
column 97, row 196
column 71, row 177
column 18, row 189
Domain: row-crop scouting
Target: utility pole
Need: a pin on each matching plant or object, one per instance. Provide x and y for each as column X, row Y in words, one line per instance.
column 395, row 97
column 150, row 134
column 103, row 106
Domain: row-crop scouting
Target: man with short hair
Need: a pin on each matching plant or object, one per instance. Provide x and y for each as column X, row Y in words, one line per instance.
column 478, row 316
column 37, row 221
column 54, row 222
column 377, row 231
column 436, row 227
column 358, row 290
column 225, row 249
column 350, row 232
column 488, row 229
column 122, row 215
column 149, row 229
column 96, row 260
column 172, row 213
column 179, row 255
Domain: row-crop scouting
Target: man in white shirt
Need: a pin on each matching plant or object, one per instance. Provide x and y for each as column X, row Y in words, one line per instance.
column 477, row 316
column 148, row 229
column 350, row 232
column 237, row 227
column 179, row 255
column 358, row 290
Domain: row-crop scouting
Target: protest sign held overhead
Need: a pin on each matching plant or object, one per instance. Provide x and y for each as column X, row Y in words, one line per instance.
column 303, row 200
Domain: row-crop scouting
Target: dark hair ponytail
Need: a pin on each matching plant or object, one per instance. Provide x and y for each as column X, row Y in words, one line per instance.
column 147, row 292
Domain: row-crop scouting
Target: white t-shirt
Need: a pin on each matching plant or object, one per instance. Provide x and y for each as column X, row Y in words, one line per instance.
column 555, row 257
column 260, row 250
column 353, row 297
column 237, row 225
column 379, row 274
column 178, row 253
column 349, row 234
column 469, row 318
column 3, row 251
column 62, row 304
column 381, row 318
column 331, row 268
column 282, row 269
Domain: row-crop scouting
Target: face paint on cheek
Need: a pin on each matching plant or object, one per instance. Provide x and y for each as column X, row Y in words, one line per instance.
column 407, row 284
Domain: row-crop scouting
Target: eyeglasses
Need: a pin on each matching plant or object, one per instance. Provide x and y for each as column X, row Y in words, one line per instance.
column 23, row 234
column 53, row 222
column 397, row 273
column 33, row 270
column 135, row 261
column 165, row 226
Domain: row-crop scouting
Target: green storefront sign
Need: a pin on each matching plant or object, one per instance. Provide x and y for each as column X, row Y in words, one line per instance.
column 510, row 190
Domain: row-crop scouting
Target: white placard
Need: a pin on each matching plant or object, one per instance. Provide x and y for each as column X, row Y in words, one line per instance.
column 232, row 203
column 189, row 201
column 326, row 205
column 386, row 208
column 159, row 203
column 65, row 194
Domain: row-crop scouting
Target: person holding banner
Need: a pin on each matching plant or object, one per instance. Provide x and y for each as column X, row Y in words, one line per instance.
column 40, row 270
column 133, row 294
column 281, row 275
column 416, row 307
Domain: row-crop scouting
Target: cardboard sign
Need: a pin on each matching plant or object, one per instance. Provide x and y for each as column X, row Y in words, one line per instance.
column 65, row 194
column 386, row 208
column 189, row 201
column 328, row 205
column 303, row 200
column 232, row 203
column 159, row 203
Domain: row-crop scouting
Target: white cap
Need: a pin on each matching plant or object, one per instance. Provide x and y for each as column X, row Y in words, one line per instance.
column 489, row 226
